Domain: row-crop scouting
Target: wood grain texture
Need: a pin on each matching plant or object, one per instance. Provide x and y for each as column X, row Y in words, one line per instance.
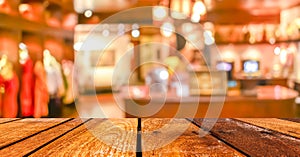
column 28, row 145
column 155, row 132
column 253, row 140
column 6, row 120
column 17, row 130
column 283, row 126
column 98, row 137
column 292, row 119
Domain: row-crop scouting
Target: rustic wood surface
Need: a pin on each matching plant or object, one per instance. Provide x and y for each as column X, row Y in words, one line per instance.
column 253, row 140
column 28, row 145
column 157, row 141
column 292, row 119
column 154, row 136
column 283, row 126
column 119, row 140
column 5, row 120
column 10, row 132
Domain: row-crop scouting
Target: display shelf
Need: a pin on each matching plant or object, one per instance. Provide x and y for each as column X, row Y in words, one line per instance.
column 9, row 22
column 64, row 4
column 256, row 43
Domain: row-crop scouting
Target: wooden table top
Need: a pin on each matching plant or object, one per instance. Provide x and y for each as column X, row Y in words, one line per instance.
column 122, row 137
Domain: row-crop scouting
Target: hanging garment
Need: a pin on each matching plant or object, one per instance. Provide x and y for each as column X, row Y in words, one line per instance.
column 71, row 86
column 41, row 95
column 9, row 97
column 27, row 89
column 56, row 88
column 55, row 82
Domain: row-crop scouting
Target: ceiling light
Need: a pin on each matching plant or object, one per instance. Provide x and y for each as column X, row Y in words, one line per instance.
column 88, row 13
column 135, row 33
column 180, row 9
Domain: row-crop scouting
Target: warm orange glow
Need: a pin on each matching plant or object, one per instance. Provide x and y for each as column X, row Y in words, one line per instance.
column 69, row 21
column 186, row 7
column 297, row 21
column 228, row 55
column 23, row 8
column 251, row 54
column 2, row 2
column 180, row 8
column 175, row 5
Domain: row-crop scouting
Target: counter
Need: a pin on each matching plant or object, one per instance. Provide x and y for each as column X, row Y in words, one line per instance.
column 79, row 137
column 270, row 101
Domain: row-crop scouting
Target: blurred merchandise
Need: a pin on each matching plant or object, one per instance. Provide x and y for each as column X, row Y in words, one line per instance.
column 55, row 84
column 70, row 82
column 27, row 82
column 9, row 84
column 41, row 95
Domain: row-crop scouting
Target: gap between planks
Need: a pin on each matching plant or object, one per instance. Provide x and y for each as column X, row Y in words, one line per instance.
column 180, row 137
column 15, row 124
column 8, row 120
column 59, row 136
column 254, row 140
column 289, row 128
column 219, row 138
column 84, row 140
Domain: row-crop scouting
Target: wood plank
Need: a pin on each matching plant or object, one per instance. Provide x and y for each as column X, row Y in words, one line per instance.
column 98, row 137
column 292, row 119
column 283, row 126
column 26, row 146
column 159, row 139
column 18, row 130
column 6, row 120
column 253, row 140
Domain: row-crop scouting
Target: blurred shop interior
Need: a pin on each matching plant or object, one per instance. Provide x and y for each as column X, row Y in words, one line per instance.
column 67, row 58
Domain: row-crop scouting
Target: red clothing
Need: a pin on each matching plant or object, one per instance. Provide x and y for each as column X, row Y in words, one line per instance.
column 27, row 89
column 9, row 97
column 41, row 95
